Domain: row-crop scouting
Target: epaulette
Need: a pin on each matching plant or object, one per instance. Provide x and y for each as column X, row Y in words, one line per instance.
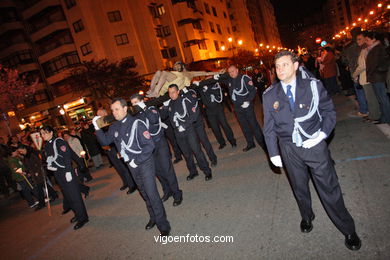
column 268, row 89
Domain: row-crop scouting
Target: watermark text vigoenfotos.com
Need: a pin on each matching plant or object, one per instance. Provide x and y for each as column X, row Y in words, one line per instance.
column 193, row 239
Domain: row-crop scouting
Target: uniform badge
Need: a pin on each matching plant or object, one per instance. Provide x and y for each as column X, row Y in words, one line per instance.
column 250, row 83
column 276, row 105
column 147, row 134
column 116, row 134
column 63, row 148
column 194, row 95
column 154, row 111
column 193, row 109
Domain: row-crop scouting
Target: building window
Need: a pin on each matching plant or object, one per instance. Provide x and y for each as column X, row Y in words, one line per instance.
column 231, row 17
column 60, row 63
column 228, row 30
column 214, row 11
column 121, row 39
column 164, row 53
column 172, row 52
column 114, row 16
column 197, row 25
column 156, row 11
column 216, row 44
column 228, row 5
column 219, row 29
column 224, row 15
column 212, row 27
column 17, row 58
column 166, row 30
column 202, row 45
column 70, row 3
column 86, row 49
column 234, row 28
column 207, row 8
column 78, row 26
column 159, row 32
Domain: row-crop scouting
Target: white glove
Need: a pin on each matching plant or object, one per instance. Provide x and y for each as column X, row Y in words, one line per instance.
column 132, row 164
column 166, row 103
column 277, row 161
column 141, row 104
column 216, row 76
column 181, row 129
column 309, row 143
column 196, row 83
column 245, row 104
column 68, row 176
column 163, row 125
column 51, row 168
column 205, row 88
column 95, row 123
column 185, row 90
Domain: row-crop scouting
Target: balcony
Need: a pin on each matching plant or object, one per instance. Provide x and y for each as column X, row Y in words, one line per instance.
column 48, row 29
column 37, row 6
column 10, row 26
column 14, row 48
column 28, row 67
column 63, row 48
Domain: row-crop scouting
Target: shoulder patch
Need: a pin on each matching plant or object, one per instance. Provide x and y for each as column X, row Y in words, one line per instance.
column 250, row 83
column 63, row 148
column 146, row 134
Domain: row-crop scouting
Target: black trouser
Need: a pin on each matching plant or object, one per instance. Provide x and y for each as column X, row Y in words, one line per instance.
column 121, row 168
column 169, row 133
column 217, row 118
column 204, row 139
column 39, row 193
column 189, row 145
column 27, row 192
column 83, row 189
column 250, row 126
column 145, row 177
column 82, row 170
column 72, row 195
column 298, row 161
column 164, row 169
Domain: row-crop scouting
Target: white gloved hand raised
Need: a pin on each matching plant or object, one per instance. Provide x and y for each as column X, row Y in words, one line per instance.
column 166, row 103
column 181, row 129
column 163, row 125
column 277, row 161
column 132, row 164
column 195, row 82
column 51, row 168
column 309, row 143
column 216, row 76
column 245, row 104
column 141, row 104
column 205, row 88
column 95, row 123
column 68, row 176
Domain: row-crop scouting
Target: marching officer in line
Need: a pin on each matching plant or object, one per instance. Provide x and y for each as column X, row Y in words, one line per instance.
column 212, row 97
column 162, row 157
column 177, row 109
column 132, row 138
column 170, row 135
column 242, row 93
column 299, row 115
column 199, row 125
column 59, row 160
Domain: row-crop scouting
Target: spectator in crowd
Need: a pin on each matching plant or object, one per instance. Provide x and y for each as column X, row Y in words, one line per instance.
column 329, row 71
column 89, row 139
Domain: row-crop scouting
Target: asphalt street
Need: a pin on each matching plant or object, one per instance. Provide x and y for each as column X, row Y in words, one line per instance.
column 245, row 201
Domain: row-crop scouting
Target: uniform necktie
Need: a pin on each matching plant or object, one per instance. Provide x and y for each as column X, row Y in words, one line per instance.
column 290, row 97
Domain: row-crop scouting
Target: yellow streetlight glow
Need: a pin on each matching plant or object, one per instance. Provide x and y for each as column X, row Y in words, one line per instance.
column 365, row 20
column 371, row 12
column 347, row 28
column 359, row 19
column 380, row 5
column 256, row 50
column 354, row 24
column 267, row 46
column 261, row 45
column 388, row 6
column 230, row 39
column 274, row 46
column 239, row 42
column 270, row 50
column 223, row 48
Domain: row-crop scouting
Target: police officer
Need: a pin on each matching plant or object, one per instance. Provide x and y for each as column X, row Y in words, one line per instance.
column 212, row 98
column 299, row 115
column 132, row 138
column 59, row 160
column 177, row 109
column 191, row 95
column 243, row 93
column 162, row 157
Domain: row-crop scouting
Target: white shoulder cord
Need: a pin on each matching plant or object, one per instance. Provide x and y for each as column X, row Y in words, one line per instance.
column 240, row 91
column 177, row 116
column 212, row 96
column 160, row 124
column 129, row 144
column 296, row 135
column 51, row 159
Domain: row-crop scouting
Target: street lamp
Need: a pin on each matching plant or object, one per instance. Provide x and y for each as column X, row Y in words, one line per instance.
column 371, row 12
column 239, row 42
column 223, row 47
column 230, row 39
column 380, row 5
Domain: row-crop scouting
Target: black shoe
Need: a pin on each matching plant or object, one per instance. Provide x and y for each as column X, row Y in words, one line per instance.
column 208, row 177
column 65, row 211
column 214, row 163
column 73, row 220
column 234, row 145
column 178, row 201
column 40, row 206
column 166, row 197
column 165, row 233
column 191, row 176
column 89, row 179
column 123, row 187
column 131, row 190
column 221, row 146
column 353, row 242
column 80, row 224
column 86, row 194
column 248, row 147
column 306, row 225
column 177, row 160
column 150, row 224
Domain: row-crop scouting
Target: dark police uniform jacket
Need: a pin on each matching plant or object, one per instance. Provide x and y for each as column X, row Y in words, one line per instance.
column 241, row 89
column 279, row 119
column 131, row 138
column 212, row 97
column 59, row 155
column 151, row 117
